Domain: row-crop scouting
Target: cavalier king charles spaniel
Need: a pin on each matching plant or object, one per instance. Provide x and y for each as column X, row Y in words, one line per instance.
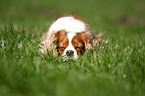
column 70, row 36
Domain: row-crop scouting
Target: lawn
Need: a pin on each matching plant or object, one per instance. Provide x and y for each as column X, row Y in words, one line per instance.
column 118, row 70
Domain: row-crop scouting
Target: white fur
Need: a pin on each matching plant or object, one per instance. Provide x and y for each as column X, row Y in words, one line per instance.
column 69, row 24
column 70, row 46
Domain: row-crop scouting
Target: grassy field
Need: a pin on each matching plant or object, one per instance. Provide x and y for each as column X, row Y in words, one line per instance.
column 118, row 70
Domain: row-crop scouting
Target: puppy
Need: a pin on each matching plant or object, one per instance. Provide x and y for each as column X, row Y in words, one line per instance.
column 70, row 36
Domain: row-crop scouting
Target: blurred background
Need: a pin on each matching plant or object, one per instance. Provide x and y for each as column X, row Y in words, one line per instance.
column 24, row 71
column 100, row 14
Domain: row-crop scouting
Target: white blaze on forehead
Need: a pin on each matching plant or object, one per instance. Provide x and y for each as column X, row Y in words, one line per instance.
column 70, row 37
column 70, row 46
column 70, row 24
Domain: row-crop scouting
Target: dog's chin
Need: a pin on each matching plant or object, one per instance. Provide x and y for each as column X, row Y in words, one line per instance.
column 66, row 58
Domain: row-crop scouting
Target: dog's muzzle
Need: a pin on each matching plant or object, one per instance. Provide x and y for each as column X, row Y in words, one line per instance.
column 70, row 53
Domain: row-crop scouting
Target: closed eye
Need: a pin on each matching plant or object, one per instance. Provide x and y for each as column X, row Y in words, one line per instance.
column 61, row 47
column 77, row 47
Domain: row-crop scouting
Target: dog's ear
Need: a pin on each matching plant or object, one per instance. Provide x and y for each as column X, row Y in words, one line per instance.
column 92, row 41
column 58, row 36
column 99, row 37
column 87, row 40
column 96, row 40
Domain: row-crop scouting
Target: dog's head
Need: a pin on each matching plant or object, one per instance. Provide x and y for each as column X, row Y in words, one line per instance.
column 71, row 45
column 70, row 36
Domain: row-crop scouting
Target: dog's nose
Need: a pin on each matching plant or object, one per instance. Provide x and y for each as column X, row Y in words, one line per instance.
column 70, row 53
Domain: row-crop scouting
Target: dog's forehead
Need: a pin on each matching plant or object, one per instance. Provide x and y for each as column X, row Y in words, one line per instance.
column 69, row 23
column 80, row 37
column 71, row 35
column 63, row 35
column 60, row 34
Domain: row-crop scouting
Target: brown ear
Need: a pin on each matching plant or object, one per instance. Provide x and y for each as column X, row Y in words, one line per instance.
column 99, row 37
column 59, row 35
column 86, row 38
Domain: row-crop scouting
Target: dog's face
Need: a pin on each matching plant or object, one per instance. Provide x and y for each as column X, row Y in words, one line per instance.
column 71, row 45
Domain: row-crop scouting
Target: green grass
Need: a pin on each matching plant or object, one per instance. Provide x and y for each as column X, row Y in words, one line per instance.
column 118, row 70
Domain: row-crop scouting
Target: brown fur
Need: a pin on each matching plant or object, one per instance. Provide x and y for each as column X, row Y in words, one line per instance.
column 58, row 41
column 79, row 42
column 61, row 41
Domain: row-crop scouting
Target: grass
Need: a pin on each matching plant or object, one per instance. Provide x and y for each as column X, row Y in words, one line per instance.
column 118, row 70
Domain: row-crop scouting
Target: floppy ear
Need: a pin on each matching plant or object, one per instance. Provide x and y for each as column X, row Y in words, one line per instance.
column 87, row 41
column 97, row 40
column 99, row 37
column 92, row 41
column 58, row 35
column 47, row 42
column 87, row 44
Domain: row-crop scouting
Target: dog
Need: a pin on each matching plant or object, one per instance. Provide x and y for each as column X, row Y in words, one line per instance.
column 70, row 36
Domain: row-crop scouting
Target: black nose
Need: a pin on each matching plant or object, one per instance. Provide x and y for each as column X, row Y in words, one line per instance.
column 69, row 53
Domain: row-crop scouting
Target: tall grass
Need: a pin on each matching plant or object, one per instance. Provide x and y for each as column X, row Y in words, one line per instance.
column 117, row 70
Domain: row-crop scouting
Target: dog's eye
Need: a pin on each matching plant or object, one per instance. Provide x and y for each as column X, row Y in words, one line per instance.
column 62, row 48
column 77, row 48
